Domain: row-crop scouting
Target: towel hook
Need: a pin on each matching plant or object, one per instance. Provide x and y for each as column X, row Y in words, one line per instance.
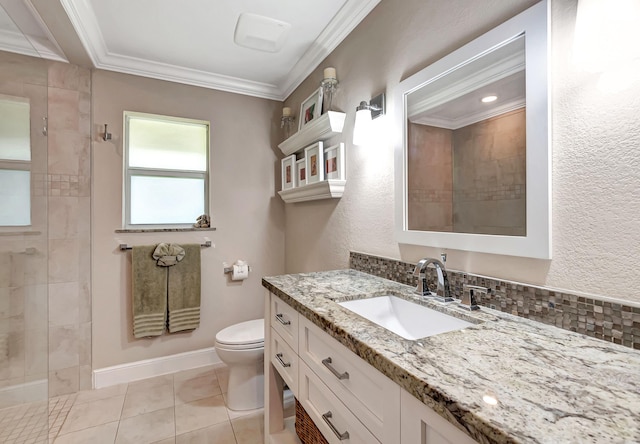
column 107, row 135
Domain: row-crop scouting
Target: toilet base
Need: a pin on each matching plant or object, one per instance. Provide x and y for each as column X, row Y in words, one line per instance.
column 246, row 386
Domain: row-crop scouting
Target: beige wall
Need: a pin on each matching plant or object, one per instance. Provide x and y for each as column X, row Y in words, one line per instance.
column 247, row 213
column 595, row 155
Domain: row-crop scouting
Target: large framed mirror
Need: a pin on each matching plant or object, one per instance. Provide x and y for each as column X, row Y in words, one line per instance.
column 473, row 159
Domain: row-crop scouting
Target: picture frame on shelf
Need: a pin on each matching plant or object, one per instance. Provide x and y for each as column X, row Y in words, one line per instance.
column 289, row 172
column 334, row 167
column 301, row 172
column 311, row 108
column 314, row 163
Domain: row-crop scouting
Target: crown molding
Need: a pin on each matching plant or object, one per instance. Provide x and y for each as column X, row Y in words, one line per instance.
column 454, row 124
column 86, row 24
column 15, row 42
column 345, row 21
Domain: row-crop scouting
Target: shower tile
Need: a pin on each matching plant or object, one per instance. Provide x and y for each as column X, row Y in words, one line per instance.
column 36, row 352
column 63, row 304
column 64, row 76
column 84, row 80
column 63, row 347
column 84, row 343
column 63, row 217
column 86, row 377
column 64, row 381
column 63, row 109
column 64, row 150
column 11, row 302
column 35, row 306
column 63, row 260
column 84, row 299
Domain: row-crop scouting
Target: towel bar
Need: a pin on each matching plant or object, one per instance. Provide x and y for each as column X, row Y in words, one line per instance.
column 124, row 247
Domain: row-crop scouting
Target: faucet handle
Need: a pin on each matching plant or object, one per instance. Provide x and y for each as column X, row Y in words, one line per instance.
column 469, row 300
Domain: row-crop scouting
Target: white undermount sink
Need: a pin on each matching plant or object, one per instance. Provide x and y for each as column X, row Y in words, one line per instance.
column 404, row 318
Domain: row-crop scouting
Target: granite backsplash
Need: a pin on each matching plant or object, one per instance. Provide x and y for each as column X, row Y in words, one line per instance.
column 599, row 318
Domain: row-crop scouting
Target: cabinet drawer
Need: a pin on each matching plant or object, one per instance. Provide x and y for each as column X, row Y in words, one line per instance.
column 285, row 361
column 284, row 320
column 370, row 395
column 330, row 415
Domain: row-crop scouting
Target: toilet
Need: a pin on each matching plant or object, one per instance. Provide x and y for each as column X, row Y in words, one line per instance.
column 241, row 348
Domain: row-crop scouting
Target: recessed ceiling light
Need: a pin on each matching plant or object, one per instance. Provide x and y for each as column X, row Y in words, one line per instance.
column 262, row 33
column 489, row 99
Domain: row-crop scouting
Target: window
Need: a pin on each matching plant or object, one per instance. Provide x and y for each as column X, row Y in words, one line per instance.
column 166, row 170
column 15, row 162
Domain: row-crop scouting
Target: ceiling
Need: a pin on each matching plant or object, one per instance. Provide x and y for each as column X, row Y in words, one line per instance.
column 185, row 41
column 453, row 100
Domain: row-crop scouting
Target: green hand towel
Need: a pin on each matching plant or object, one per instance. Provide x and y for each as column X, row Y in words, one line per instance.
column 149, row 293
column 184, row 291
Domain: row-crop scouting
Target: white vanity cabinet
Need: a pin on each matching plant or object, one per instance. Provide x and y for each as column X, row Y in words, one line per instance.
column 348, row 399
column 422, row 425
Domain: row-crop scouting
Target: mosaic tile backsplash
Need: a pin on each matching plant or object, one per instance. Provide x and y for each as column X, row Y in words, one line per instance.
column 602, row 319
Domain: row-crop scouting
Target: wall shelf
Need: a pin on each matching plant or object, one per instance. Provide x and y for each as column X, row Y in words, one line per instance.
column 327, row 189
column 324, row 127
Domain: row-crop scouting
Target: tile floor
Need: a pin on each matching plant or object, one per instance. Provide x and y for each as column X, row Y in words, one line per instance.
column 186, row 407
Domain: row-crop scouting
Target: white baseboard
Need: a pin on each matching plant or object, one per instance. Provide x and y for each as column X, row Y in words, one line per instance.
column 148, row 368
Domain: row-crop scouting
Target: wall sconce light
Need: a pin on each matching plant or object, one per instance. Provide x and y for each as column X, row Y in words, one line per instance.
column 365, row 113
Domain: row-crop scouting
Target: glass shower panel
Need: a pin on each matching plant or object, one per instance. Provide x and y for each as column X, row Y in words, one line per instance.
column 24, row 321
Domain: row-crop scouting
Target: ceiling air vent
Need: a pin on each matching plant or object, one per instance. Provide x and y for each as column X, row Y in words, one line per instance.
column 261, row 33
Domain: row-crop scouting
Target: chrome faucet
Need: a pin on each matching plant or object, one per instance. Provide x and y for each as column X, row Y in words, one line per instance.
column 443, row 293
column 470, row 299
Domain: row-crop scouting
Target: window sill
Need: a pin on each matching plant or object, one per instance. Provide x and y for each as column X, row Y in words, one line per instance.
column 163, row 230
column 19, row 233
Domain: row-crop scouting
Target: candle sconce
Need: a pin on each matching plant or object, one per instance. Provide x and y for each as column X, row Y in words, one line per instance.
column 286, row 122
column 329, row 88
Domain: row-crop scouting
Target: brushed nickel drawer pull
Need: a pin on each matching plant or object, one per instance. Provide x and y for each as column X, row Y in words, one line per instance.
column 341, row 436
column 282, row 363
column 327, row 363
column 279, row 317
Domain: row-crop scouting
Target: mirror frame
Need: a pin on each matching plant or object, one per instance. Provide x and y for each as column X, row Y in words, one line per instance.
column 534, row 24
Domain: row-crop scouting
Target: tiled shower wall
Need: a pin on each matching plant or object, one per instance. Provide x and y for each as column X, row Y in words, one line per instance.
column 69, row 212
column 64, row 181
column 600, row 318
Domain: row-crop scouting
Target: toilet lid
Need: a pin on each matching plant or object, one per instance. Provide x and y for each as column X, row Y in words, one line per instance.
column 244, row 333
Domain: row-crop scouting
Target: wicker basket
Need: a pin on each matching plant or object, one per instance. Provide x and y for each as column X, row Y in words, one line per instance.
column 306, row 428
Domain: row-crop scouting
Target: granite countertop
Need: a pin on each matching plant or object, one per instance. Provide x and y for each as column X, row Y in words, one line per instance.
column 552, row 385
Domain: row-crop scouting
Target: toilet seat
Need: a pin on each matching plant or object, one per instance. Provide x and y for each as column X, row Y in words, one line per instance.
column 242, row 336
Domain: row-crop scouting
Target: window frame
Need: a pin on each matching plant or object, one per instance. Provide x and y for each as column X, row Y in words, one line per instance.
column 128, row 171
column 20, row 165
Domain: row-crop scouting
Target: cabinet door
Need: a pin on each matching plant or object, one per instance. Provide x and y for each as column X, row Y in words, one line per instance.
column 371, row 396
column 284, row 320
column 285, row 361
column 421, row 425
column 334, row 420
